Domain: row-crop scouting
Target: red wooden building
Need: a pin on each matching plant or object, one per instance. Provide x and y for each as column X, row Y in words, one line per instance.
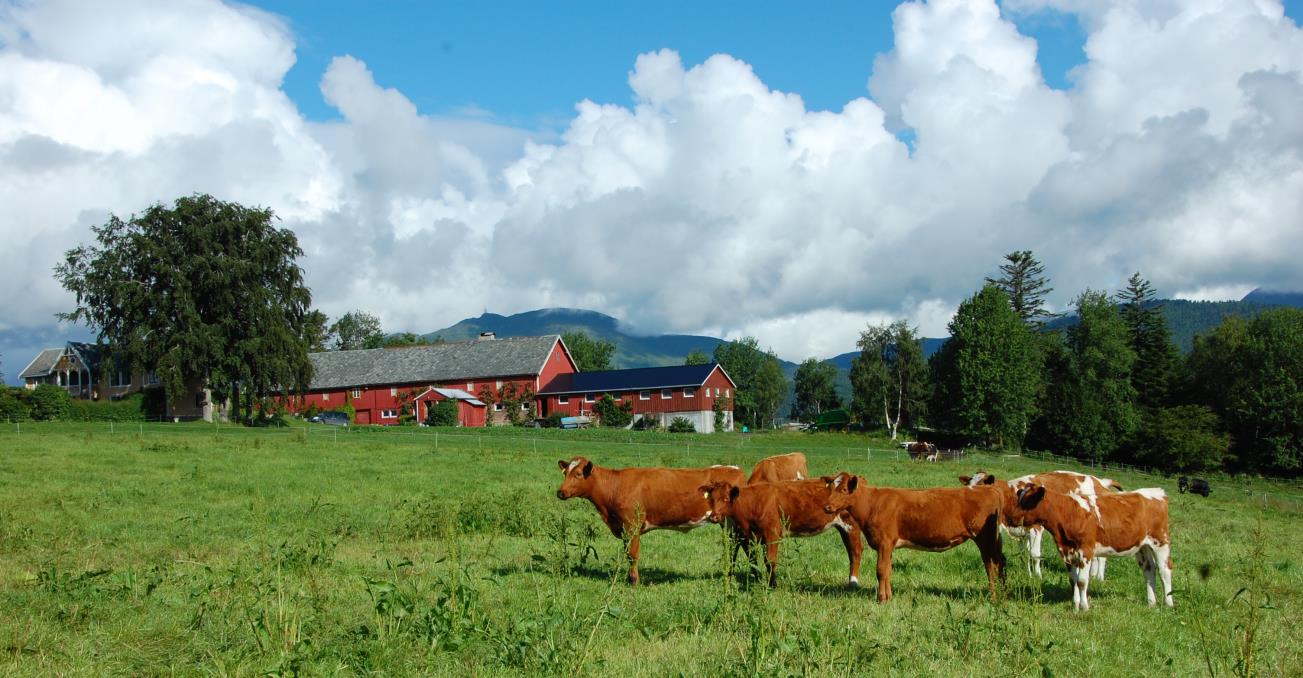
column 661, row 393
column 378, row 382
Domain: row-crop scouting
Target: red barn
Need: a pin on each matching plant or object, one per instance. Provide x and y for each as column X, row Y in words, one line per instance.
column 660, row 393
column 379, row 382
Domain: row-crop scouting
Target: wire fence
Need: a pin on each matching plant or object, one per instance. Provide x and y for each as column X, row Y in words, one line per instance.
column 699, row 446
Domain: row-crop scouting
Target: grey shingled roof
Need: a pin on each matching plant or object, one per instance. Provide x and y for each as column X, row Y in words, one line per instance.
column 507, row 357
column 42, row 363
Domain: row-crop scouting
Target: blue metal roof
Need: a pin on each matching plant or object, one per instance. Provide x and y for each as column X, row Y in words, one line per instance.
column 638, row 379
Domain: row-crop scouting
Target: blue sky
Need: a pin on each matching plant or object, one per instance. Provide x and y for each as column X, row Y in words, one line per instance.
column 529, row 63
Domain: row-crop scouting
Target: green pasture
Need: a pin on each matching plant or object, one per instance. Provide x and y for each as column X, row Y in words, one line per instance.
column 147, row 549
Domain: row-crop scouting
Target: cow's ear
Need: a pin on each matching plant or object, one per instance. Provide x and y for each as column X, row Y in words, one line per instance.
column 964, row 480
column 588, row 469
column 705, row 490
column 853, row 483
column 988, row 480
column 565, row 465
column 1031, row 496
column 827, row 480
column 733, row 492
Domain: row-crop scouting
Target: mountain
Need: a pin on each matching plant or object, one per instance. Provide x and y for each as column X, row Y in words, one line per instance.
column 1275, row 298
column 631, row 350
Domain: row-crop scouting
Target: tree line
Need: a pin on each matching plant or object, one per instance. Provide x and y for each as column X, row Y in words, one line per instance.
column 1111, row 387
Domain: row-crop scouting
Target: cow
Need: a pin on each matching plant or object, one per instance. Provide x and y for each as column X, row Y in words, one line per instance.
column 937, row 519
column 1086, row 527
column 635, row 501
column 921, row 451
column 767, row 512
column 1194, row 485
column 790, row 466
column 1057, row 481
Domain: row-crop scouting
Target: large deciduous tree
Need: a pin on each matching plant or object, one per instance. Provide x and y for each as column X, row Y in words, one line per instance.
column 357, row 330
column 1251, row 373
column 761, row 386
column 889, row 376
column 988, row 373
column 590, row 355
column 205, row 292
column 1022, row 279
column 1091, row 410
column 696, row 357
column 815, row 386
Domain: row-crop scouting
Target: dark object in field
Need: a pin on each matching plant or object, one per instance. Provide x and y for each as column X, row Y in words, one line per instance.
column 1197, row 486
column 332, row 418
column 634, row 501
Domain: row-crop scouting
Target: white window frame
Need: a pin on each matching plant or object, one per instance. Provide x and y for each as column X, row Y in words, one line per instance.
column 393, row 390
column 644, row 395
column 357, row 393
column 388, row 414
column 590, row 397
column 563, row 400
column 470, row 387
column 325, row 397
column 667, row 393
column 727, row 394
column 524, row 407
column 689, row 392
column 497, row 407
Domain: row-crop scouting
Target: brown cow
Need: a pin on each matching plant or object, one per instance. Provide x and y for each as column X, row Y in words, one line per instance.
column 790, row 466
column 937, row 519
column 766, row 512
column 635, row 501
column 1055, row 481
column 921, row 451
column 1113, row 524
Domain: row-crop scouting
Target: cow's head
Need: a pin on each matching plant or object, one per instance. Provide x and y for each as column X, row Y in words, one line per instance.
column 841, row 491
column 578, row 480
column 978, row 478
column 719, row 496
column 1029, row 496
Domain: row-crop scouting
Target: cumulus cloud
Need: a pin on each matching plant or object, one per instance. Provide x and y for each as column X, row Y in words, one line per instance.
column 713, row 202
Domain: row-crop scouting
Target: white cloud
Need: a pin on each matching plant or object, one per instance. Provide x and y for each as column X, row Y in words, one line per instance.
column 713, row 201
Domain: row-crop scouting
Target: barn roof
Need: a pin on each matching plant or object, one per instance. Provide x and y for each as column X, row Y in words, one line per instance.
column 639, row 379
column 42, row 364
column 508, row 357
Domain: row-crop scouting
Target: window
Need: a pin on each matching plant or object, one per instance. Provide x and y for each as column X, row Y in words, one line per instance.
column 357, row 393
column 563, row 400
column 393, row 390
column 151, row 378
column 689, row 392
column 497, row 407
column 644, row 395
column 470, row 387
column 325, row 397
column 666, row 394
column 524, row 407
column 499, row 386
column 120, row 378
column 388, row 414
column 588, row 397
column 726, row 395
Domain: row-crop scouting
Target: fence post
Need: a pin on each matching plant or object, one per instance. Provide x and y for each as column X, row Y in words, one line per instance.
column 535, row 445
column 436, row 441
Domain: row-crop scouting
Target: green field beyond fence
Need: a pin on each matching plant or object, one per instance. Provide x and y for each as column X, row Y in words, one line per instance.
column 148, row 548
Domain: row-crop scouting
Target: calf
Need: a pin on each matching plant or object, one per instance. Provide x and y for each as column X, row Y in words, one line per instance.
column 790, row 466
column 1088, row 526
column 936, row 519
column 766, row 512
column 635, row 501
column 1055, row 481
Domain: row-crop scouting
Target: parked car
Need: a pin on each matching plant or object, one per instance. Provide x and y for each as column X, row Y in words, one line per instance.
column 332, row 418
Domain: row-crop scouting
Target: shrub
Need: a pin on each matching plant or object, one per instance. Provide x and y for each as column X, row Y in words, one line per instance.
column 130, row 408
column 720, row 408
column 552, row 420
column 646, row 423
column 613, row 413
column 444, row 413
column 14, row 405
column 50, row 402
column 1182, row 438
column 310, row 411
column 682, row 425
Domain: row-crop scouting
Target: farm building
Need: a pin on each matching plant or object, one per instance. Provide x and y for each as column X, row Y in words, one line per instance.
column 660, row 393
column 379, row 382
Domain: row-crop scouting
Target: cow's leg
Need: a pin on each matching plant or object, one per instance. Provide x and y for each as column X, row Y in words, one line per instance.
column 635, row 542
column 771, row 557
column 989, row 544
column 1163, row 556
column 1097, row 568
column 884, row 572
column 1145, row 556
column 854, row 550
column 1083, row 583
column 1033, row 544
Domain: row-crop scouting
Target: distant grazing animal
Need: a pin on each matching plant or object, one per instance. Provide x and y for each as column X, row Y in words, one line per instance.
column 1194, row 485
column 1113, row 524
column 1057, row 481
column 936, row 519
column 635, row 501
column 768, row 512
column 790, row 466
column 922, row 450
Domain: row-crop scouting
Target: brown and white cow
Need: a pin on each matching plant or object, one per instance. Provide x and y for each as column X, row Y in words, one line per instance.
column 920, row 450
column 1055, row 481
column 635, row 501
column 1089, row 526
column 767, row 512
column 936, row 519
column 790, row 466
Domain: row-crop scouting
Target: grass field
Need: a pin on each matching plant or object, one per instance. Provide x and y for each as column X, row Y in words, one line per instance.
column 191, row 549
